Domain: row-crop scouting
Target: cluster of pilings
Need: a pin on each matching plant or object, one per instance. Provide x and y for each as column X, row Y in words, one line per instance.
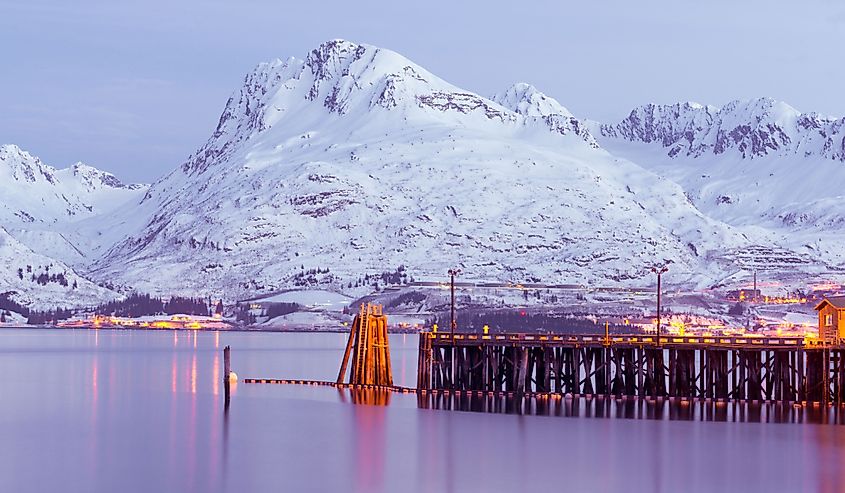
column 721, row 368
column 369, row 349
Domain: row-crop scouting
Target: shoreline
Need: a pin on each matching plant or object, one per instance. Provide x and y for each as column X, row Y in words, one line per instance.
column 326, row 330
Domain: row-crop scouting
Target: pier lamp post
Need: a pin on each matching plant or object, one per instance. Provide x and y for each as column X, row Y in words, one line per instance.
column 452, row 274
column 453, row 326
column 659, row 271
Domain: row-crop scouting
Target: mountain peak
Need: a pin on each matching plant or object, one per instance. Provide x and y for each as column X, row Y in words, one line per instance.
column 340, row 78
column 10, row 149
column 525, row 99
column 23, row 166
column 95, row 178
column 763, row 110
column 10, row 153
column 332, row 58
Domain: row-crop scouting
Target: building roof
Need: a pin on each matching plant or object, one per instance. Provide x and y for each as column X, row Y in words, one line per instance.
column 837, row 302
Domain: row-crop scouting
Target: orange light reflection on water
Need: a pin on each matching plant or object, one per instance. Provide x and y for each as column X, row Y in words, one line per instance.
column 369, row 430
column 95, row 386
column 194, row 374
column 215, row 375
column 173, row 371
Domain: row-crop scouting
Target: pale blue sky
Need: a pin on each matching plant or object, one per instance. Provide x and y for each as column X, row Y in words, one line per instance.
column 135, row 86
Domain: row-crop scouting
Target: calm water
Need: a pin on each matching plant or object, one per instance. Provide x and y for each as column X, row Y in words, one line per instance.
column 122, row 411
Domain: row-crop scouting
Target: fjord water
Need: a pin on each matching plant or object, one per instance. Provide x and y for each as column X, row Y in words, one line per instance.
column 143, row 411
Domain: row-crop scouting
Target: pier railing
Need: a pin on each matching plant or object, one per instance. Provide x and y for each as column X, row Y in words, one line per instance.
column 616, row 340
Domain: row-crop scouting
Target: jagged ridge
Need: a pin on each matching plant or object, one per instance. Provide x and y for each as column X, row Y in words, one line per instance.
column 756, row 128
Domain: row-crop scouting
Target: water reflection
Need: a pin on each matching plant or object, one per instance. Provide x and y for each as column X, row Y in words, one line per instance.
column 154, row 417
column 369, row 441
column 633, row 408
column 368, row 397
column 194, row 374
column 215, row 375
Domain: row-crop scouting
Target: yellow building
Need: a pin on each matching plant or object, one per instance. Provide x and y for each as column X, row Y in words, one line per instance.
column 832, row 318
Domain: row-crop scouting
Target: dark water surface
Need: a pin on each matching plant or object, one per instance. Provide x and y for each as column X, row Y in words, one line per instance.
column 124, row 411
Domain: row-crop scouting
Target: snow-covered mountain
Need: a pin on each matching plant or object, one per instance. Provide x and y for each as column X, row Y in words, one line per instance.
column 356, row 160
column 35, row 193
column 56, row 212
column 757, row 163
column 52, row 223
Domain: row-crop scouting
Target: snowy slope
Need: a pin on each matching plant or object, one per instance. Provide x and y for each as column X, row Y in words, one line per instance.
column 356, row 160
column 41, row 282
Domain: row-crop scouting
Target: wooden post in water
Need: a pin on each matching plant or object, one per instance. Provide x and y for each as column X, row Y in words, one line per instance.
column 345, row 362
column 227, row 368
column 227, row 363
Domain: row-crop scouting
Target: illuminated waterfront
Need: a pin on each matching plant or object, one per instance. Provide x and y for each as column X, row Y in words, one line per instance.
column 138, row 411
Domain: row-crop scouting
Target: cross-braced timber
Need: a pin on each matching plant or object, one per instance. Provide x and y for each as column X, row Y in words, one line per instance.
column 369, row 347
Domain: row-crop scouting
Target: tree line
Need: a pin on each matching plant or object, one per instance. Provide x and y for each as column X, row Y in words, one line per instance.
column 140, row 305
column 522, row 321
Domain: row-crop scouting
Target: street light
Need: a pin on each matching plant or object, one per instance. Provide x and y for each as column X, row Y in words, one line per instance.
column 452, row 274
column 658, row 271
column 454, row 325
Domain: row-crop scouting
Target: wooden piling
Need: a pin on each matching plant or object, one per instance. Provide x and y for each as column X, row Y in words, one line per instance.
column 227, row 363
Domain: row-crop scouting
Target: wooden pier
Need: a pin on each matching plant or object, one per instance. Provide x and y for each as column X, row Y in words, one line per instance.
column 781, row 369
